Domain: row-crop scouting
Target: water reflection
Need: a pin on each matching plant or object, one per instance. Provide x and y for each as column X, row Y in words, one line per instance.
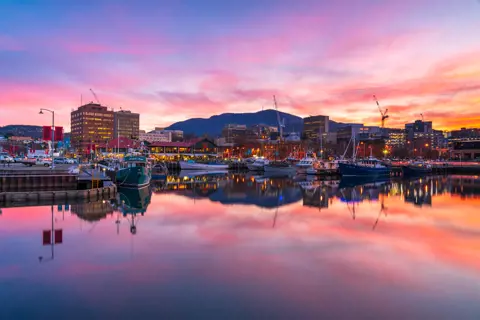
column 231, row 245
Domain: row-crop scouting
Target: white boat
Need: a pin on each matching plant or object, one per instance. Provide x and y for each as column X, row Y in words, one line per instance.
column 192, row 165
column 306, row 163
column 258, row 165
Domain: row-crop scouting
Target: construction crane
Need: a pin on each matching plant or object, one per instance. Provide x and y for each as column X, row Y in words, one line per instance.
column 96, row 98
column 281, row 124
column 383, row 113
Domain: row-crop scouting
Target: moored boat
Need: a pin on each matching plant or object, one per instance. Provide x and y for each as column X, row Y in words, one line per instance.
column 133, row 173
column 306, row 163
column 258, row 165
column 417, row 168
column 280, row 168
column 364, row 167
column 192, row 165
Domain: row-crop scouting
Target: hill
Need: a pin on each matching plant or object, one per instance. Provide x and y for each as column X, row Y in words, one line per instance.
column 21, row 130
column 213, row 126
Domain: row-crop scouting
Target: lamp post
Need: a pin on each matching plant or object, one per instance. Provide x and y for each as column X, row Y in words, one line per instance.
column 53, row 134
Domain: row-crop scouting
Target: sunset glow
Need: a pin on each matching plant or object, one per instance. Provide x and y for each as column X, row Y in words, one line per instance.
column 173, row 60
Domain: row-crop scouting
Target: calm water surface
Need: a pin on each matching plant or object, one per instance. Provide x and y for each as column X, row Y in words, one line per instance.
column 236, row 246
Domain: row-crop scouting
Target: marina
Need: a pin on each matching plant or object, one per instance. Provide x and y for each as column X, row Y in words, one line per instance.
column 236, row 216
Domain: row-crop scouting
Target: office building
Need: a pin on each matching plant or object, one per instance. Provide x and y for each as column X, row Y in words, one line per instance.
column 314, row 126
column 126, row 124
column 92, row 124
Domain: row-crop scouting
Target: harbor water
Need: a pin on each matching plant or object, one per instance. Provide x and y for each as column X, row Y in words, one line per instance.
column 236, row 246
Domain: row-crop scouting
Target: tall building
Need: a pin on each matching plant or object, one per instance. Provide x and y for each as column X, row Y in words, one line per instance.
column 314, row 126
column 92, row 124
column 126, row 124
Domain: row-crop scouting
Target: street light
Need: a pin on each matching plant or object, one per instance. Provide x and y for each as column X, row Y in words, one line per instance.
column 53, row 134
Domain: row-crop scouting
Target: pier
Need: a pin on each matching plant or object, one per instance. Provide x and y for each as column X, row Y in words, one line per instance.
column 43, row 185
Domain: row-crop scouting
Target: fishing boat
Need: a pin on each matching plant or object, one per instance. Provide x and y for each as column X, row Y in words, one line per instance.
column 307, row 162
column 258, row 165
column 134, row 172
column 192, row 165
column 364, row 167
column 417, row 168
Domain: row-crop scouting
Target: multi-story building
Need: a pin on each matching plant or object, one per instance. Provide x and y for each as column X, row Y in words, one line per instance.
column 396, row 138
column 92, row 124
column 126, row 124
column 464, row 134
column 156, row 136
column 314, row 126
column 231, row 132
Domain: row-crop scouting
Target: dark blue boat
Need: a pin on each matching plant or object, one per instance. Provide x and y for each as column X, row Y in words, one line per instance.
column 416, row 169
column 365, row 167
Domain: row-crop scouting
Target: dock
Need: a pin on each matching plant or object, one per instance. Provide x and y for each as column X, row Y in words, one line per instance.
column 40, row 185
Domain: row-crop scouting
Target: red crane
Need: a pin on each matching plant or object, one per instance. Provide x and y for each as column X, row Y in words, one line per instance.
column 383, row 113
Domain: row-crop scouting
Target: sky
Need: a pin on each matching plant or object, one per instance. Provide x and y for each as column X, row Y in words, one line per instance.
column 172, row 60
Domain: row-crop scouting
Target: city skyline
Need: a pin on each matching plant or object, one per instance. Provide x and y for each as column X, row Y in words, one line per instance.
column 179, row 60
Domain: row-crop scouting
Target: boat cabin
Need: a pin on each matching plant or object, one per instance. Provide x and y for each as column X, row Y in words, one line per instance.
column 134, row 161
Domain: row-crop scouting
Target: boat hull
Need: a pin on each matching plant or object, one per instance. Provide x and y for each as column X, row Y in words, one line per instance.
column 134, row 177
column 415, row 171
column 353, row 170
column 280, row 170
column 255, row 167
column 202, row 166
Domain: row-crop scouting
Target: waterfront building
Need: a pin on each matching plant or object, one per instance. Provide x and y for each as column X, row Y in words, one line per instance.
column 119, row 145
column 466, row 150
column 92, row 124
column 313, row 126
column 126, row 124
column 198, row 147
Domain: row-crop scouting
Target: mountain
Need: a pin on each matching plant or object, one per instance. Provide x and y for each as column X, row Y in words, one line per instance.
column 213, row 126
column 21, row 130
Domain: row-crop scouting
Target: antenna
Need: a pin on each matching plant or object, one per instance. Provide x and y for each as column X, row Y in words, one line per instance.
column 422, row 116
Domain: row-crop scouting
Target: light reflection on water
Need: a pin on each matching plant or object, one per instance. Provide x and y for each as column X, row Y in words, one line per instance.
column 242, row 246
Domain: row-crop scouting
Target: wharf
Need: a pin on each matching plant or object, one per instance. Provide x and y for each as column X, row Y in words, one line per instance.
column 445, row 168
column 64, row 183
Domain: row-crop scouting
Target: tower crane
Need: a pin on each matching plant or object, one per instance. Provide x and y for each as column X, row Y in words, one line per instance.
column 281, row 124
column 96, row 98
column 383, row 113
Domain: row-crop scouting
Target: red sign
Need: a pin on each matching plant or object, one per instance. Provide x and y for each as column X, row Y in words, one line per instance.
column 47, row 237
column 58, row 236
column 58, row 133
column 47, row 133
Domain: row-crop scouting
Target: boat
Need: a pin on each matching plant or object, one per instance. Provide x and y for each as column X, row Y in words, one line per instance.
column 192, row 165
column 417, row 168
column 365, row 167
column 134, row 172
column 258, row 165
column 159, row 172
column 280, row 167
column 306, row 163
column 323, row 168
